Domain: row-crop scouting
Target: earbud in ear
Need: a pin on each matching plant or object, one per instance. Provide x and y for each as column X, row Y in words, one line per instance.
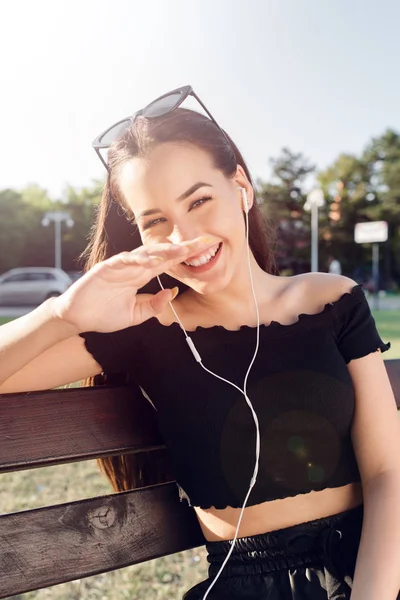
column 244, row 200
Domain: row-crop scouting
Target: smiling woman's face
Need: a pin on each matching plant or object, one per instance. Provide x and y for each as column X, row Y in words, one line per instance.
column 176, row 194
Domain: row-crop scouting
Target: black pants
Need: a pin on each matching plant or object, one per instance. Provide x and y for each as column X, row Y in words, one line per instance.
column 314, row 560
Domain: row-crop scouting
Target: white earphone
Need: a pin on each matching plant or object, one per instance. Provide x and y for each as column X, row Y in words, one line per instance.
column 244, row 200
column 198, row 358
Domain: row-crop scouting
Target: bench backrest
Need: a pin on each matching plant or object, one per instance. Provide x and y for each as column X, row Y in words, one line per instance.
column 51, row 545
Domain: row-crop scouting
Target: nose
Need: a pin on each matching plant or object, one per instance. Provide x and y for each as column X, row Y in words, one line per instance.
column 182, row 234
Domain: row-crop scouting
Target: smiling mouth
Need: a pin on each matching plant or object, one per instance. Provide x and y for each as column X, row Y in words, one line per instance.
column 204, row 259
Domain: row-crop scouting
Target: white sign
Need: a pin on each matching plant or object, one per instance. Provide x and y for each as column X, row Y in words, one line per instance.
column 368, row 233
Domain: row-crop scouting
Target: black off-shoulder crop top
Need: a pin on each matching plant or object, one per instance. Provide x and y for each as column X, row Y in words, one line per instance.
column 299, row 386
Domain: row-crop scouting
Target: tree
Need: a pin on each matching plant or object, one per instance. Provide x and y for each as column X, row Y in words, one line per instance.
column 39, row 244
column 282, row 202
column 345, row 186
column 14, row 229
column 383, row 154
column 363, row 189
column 23, row 239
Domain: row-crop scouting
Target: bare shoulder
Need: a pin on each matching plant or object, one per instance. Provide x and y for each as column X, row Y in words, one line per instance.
column 312, row 291
column 326, row 286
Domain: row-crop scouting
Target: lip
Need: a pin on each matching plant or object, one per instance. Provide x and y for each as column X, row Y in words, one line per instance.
column 209, row 265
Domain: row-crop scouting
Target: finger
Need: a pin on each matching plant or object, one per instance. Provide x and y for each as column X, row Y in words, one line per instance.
column 163, row 250
column 149, row 305
column 168, row 249
column 123, row 270
column 155, row 259
column 174, row 254
column 143, row 259
column 127, row 259
column 160, row 267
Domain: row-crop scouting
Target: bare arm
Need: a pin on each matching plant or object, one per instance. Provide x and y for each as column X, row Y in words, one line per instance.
column 41, row 351
column 376, row 439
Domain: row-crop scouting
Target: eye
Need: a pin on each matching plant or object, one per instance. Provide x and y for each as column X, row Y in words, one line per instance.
column 152, row 223
column 194, row 204
column 199, row 202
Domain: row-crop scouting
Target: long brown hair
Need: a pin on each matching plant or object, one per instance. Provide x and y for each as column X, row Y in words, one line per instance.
column 114, row 232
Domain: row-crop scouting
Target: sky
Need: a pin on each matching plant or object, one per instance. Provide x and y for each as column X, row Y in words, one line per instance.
column 318, row 76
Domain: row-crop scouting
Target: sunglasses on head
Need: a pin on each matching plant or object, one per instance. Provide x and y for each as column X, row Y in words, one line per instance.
column 161, row 106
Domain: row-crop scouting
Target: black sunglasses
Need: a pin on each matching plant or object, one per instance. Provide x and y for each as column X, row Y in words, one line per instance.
column 161, row 106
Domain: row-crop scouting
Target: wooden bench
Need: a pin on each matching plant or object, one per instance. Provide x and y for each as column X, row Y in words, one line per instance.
column 55, row 544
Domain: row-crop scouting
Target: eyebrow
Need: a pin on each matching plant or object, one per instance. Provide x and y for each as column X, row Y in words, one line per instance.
column 189, row 192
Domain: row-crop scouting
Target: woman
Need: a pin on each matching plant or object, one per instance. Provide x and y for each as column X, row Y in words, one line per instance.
column 292, row 363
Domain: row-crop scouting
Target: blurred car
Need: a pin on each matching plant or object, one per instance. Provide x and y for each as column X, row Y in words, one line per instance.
column 30, row 286
column 74, row 275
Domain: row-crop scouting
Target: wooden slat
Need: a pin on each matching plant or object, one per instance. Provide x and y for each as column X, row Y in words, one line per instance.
column 46, row 546
column 393, row 369
column 56, row 426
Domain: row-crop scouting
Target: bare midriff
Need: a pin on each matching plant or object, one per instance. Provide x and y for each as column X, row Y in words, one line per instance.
column 220, row 524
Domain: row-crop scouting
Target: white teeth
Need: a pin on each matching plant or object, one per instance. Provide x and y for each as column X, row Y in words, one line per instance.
column 203, row 259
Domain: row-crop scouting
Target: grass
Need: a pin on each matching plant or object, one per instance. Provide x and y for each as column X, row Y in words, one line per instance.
column 165, row 578
column 388, row 325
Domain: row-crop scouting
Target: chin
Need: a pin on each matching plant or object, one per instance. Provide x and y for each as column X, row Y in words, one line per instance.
column 207, row 287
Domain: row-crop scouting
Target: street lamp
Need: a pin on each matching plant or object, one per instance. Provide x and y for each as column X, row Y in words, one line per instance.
column 315, row 200
column 57, row 217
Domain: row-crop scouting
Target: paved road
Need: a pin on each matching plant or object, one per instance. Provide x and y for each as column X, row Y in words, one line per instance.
column 385, row 303
column 6, row 311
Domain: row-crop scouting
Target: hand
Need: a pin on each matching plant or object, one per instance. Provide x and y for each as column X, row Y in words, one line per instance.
column 105, row 299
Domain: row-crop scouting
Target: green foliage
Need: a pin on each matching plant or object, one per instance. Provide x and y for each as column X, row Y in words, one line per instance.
column 4, row 320
column 368, row 189
column 18, row 220
column 356, row 189
column 282, row 202
column 344, row 183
